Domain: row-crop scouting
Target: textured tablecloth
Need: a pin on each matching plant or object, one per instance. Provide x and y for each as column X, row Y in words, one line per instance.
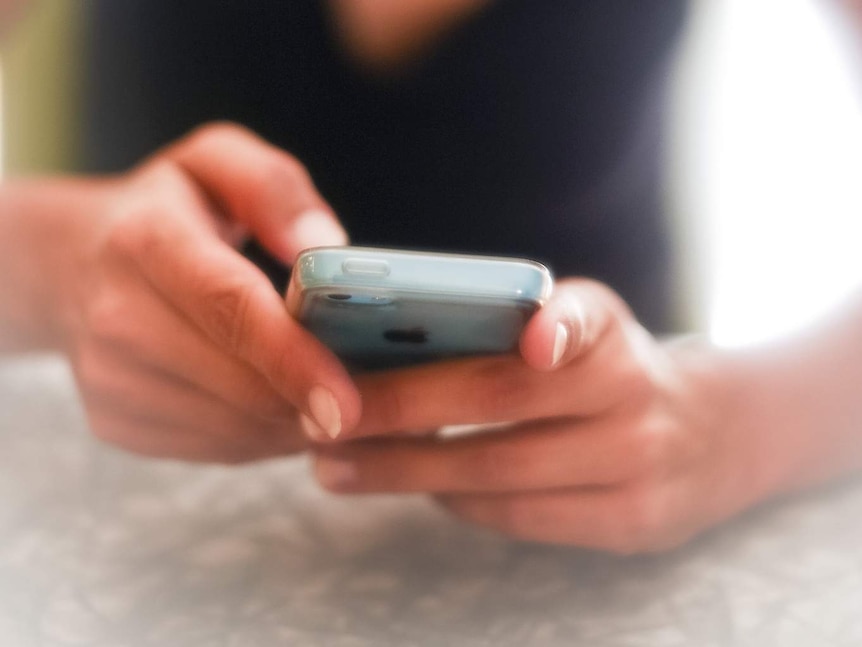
column 101, row 548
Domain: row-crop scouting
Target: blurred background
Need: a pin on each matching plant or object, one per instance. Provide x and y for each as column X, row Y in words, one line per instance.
column 763, row 173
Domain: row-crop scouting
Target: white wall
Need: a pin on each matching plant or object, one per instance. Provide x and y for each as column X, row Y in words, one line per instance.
column 768, row 167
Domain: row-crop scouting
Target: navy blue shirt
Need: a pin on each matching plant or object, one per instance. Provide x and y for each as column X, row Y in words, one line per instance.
column 533, row 129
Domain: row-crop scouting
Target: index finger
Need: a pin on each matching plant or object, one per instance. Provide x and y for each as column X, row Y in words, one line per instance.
column 259, row 185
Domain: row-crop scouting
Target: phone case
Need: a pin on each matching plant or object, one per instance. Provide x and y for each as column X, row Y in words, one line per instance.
column 382, row 308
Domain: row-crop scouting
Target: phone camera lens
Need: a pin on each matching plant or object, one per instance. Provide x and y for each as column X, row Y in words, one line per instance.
column 339, row 296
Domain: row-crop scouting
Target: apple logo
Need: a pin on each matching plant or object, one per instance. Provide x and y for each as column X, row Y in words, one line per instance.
column 417, row 335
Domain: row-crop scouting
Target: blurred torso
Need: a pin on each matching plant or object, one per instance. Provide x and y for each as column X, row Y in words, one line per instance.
column 527, row 127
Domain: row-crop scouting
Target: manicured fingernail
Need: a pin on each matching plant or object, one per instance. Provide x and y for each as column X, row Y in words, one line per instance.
column 561, row 341
column 312, row 430
column 578, row 323
column 325, row 415
column 315, row 228
column 336, row 473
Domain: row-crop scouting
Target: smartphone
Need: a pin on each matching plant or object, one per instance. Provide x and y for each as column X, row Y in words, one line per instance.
column 385, row 308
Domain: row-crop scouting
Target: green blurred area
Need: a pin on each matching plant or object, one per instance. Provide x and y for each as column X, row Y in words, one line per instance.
column 42, row 88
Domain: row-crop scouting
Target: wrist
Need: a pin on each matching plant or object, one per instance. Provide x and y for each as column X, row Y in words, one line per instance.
column 733, row 407
column 789, row 413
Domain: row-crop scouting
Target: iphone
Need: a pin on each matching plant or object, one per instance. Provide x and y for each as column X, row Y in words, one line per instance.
column 384, row 308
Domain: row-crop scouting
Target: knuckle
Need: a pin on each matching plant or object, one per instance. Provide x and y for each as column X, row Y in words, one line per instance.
column 107, row 319
column 127, row 237
column 647, row 449
column 136, row 232
column 229, row 321
column 216, row 132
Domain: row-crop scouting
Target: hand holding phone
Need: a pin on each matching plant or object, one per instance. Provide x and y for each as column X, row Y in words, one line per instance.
column 383, row 308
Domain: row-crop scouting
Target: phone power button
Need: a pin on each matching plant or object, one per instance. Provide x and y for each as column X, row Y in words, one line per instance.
column 365, row 267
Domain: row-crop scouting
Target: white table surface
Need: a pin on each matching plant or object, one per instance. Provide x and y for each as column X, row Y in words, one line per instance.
column 101, row 548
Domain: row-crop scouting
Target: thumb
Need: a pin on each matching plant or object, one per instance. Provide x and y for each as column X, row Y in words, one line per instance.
column 570, row 324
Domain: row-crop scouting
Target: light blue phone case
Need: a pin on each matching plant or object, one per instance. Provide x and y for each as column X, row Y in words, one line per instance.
column 382, row 308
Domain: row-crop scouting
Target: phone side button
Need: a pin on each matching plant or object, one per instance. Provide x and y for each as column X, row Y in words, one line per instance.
column 365, row 267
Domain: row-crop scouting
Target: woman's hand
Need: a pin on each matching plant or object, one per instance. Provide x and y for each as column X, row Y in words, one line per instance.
column 615, row 441
column 180, row 346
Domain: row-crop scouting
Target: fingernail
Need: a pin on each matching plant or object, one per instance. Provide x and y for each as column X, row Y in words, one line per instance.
column 576, row 317
column 579, row 319
column 335, row 473
column 315, row 228
column 312, row 430
column 325, row 421
column 561, row 341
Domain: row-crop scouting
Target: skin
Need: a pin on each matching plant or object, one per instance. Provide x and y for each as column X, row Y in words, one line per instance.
column 181, row 347
column 626, row 444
